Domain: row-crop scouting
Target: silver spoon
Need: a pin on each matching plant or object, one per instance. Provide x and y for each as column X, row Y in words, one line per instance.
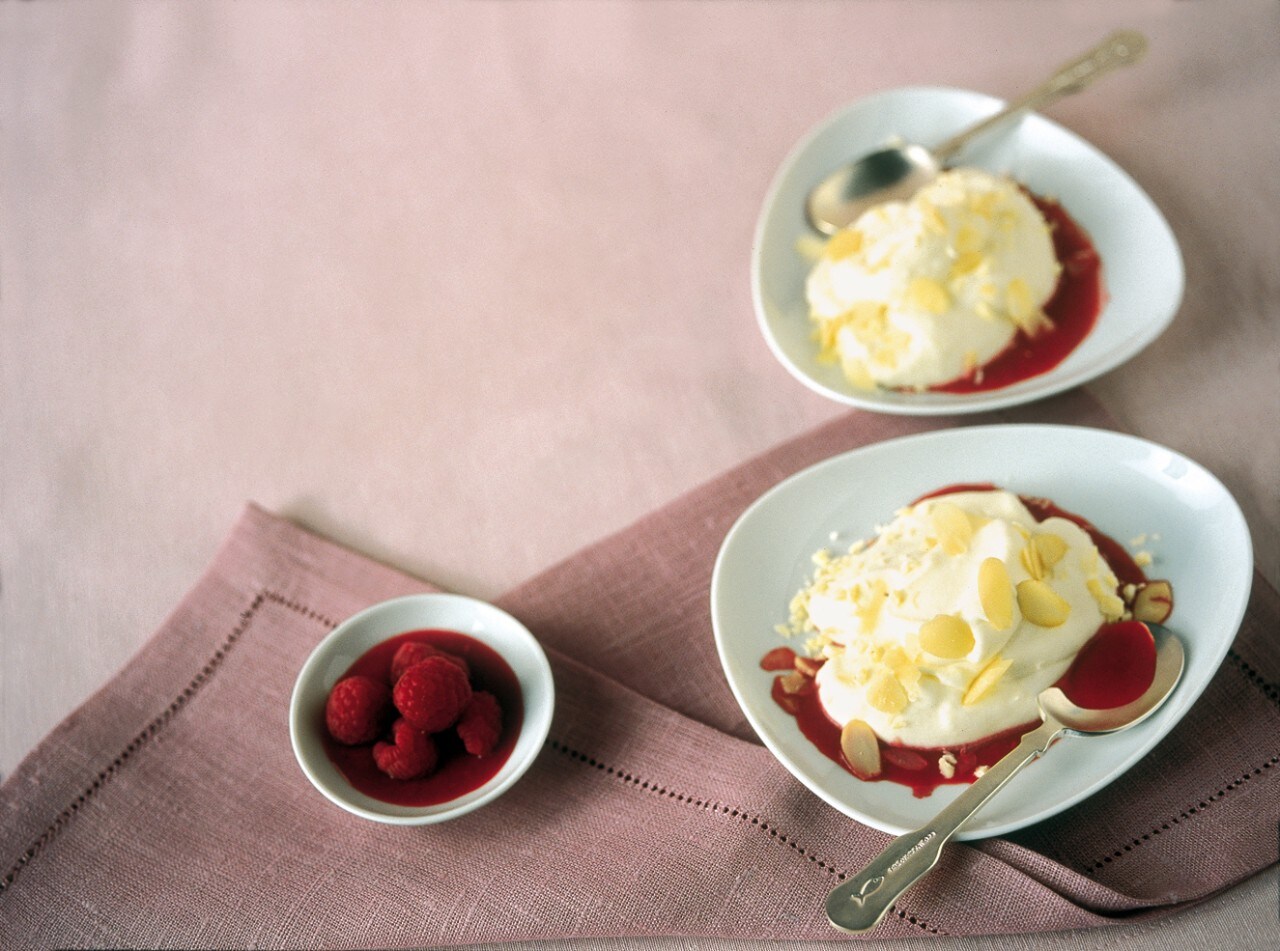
column 860, row 903
column 897, row 173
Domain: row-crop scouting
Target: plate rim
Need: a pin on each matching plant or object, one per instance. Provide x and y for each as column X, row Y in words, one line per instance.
column 1212, row 652
column 1036, row 388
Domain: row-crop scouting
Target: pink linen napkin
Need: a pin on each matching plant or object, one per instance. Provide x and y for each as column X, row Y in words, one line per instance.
column 169, row 811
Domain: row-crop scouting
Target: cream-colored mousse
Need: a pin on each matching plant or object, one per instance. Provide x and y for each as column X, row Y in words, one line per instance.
column 943, row 629
column 922, row 292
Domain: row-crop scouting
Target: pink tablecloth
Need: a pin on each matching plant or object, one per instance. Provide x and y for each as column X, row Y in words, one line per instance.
column 464, row 285
column 168, row 811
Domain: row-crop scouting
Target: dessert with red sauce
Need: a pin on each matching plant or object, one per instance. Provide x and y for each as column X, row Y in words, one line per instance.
column 972, row 284
column 926, row 647
column 423, row 718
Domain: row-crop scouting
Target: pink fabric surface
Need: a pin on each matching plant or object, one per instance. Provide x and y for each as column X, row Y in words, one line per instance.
column 463, row 286
column 168, row 810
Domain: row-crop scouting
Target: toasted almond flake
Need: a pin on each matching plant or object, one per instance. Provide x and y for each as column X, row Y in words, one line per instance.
column 843, row 244
column 984, row 203
column 810, row 248
column 966, row 264
column 792, row 681
column 869, row 603
column 858, row 375
column 969, row 239
column 987, row 678
column 1030, row 558
column 933, row 218
column 947, row 765
column 808, row 666
column 894, row 656
column 1143, row 559
column 924, row 293
column 885, row 693
column 1109, row 603
column 1050, row 548
column 861, row 749
column 1018, row 299
column 1153, row 602
column 953, row 527
column 947, row 636
column 1040, row 604
column 995, row 593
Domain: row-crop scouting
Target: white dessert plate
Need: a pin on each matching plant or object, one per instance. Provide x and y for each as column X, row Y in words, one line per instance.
column 1141, row 265
column 347, row 642
column 1126, row 486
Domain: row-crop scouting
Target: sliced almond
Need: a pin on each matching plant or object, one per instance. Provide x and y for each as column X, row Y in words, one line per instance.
column 924, row 293
column 1153, row 602
column 1040, row 604
column 1030, row 558
column 1050, row 547
column 995, row 592
column 809, row 666
column 947, row 636
column 1109, row 603
column 861, row 749
column 904, row 759
column 792, row 681
column 953, row 527
column 1018, row 300
column 987, row 678
column 885, row 693
column 843, row 244
column 969, row 239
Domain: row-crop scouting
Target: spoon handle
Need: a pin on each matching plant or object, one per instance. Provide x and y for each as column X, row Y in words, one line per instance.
column 860, row 902
column 1122, row 48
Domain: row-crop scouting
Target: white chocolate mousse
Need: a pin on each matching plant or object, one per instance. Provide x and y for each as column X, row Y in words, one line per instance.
column 943, row 629
column 923, row 292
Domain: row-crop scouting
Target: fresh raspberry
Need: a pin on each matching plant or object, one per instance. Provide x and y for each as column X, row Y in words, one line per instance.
column 432, row 694
column 415, row 652
column 411, row 755
column 481, row 723
column 357, row 710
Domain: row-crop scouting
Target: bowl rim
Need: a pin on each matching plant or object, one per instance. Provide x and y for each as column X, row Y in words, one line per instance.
column 374, row 624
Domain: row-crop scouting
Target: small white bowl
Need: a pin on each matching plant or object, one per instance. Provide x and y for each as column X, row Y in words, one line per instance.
column 353, row 637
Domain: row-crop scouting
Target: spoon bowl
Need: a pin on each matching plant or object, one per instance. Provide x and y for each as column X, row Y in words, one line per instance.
column 896, row 173
column 861, row 902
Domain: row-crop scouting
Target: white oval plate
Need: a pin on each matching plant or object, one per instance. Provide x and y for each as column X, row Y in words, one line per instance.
column 1124, row 485
column 1141, row 266
column 347, row 642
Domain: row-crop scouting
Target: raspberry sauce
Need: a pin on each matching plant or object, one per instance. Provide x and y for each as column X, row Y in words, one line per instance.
column 1113, row 668
column 459, row 772
column 1073, row 310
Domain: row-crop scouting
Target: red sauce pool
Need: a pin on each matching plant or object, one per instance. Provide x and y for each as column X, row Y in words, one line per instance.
column 459, row 772
column 1114, row 667
column 1073, row 310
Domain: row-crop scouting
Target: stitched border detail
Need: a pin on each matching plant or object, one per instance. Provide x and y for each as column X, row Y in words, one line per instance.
column 733, row 812
column 149, row 732
column 1186, row 814
column 1269, row 690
